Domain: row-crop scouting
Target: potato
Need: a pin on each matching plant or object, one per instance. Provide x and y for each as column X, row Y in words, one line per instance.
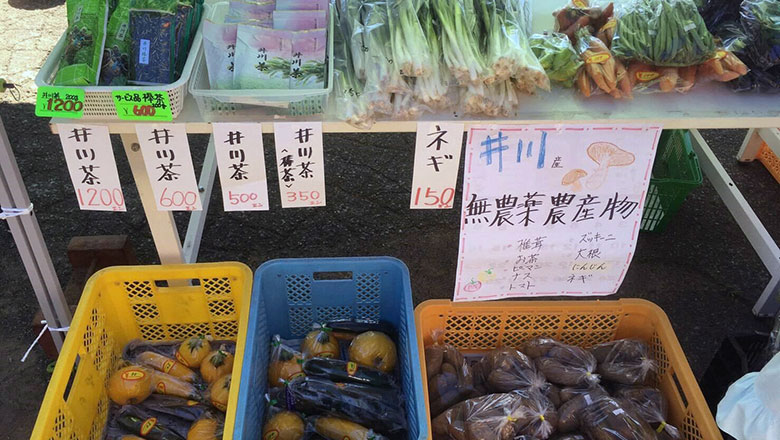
column 568, row 365
column 568, row 415
column 434, row 355
column 538, row 346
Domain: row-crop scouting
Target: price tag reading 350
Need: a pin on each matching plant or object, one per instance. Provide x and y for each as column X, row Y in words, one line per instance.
column 166, row 153
column 60, row 102
column 142, row 106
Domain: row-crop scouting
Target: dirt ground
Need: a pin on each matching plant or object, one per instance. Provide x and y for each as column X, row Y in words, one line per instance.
column 701, row 270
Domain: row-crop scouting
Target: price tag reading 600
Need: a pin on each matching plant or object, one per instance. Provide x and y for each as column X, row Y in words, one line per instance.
column 142, row 105
column 59, row 102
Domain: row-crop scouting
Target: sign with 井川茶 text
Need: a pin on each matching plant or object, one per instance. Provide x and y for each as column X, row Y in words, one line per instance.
column 551, row 210
column 142, row 105
column 300, row 163
column 241, row 163
column 436, row 162
column 92, row 167
column 166, row 153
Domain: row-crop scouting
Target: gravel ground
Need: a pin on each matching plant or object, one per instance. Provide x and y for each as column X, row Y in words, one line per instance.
column 701, row 270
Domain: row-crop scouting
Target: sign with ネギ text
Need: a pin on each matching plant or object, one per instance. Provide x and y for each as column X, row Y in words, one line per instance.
column 551, row 210
column 436, row 162
column 92, row 167
column 241, row 163
column 168, row 163
column 300, row 163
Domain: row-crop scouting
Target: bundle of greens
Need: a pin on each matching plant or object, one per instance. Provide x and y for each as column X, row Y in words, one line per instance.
column 662, row 33
column 410, row 47
column 761, row 20
column 557, row 56
column 433, row 89
column 460, row 42
column 349, row 103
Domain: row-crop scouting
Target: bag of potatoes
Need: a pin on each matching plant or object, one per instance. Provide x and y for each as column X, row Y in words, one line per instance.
column 607, row 419
column 650, row 405
column 506, row 369
column 625, row 361
column 568, row 365
column 450, row 379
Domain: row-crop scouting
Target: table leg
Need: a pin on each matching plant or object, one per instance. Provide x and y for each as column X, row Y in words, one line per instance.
column 164, row 232
column 750, row 146
column 763, row 243
column 29, row 240
column 198, row 218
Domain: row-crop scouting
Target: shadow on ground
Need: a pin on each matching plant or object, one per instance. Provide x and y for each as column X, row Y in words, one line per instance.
column 701, row 270
column 32, row 5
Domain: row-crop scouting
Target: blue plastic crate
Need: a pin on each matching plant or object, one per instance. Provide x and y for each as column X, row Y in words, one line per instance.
column 290, row 295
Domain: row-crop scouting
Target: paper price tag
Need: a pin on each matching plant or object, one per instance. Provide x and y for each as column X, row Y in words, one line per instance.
column 241, row 164
column 166, row 153
column 300, row 163
column 436, row 162
column 92, row 167
column 142, row 106
column 59, row 102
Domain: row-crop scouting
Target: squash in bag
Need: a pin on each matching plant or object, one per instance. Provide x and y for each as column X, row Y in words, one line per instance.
column 320, row 343
column 219, row 392
column 333, row 428
column 192, row 351
column 130, row 385
column 286, row 364
column 375, row 350
column 217, row 364
column 167, row 365
column 284, row 425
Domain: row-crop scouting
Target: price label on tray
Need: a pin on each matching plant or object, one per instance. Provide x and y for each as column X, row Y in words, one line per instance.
column 59, row 102
column 142, row 105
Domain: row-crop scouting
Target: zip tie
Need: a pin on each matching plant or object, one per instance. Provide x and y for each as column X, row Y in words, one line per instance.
column 6, row 213
column 40, row 335
column 661, row 427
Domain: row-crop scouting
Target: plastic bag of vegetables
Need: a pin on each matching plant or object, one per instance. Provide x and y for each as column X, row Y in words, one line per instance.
column 557, row 56
column 208, row 427
column 498, row 416
column 668, row 33
column 651, row 406
column 625, row 361
column 568, row 365
column 607, row 419
column 366, row 405
column 334, row 428
column 600, row 68
column 347, row 372
column 761, row 20
column 285, row 365
column 282, row 425
column 450, row 378
column 579, row 14
column 506, row 369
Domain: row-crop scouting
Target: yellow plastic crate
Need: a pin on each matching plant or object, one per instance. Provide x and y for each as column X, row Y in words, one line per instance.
column 770, row 160
column 475, row 327
column 154, row 303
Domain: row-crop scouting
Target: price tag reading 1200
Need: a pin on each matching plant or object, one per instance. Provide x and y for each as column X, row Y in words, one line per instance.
column 142, row 105
column 59, row 102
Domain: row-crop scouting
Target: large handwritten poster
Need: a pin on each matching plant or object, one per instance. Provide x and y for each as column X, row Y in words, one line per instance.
column 551, row 210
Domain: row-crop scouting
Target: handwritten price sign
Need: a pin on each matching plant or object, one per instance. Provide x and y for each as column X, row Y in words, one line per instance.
column 436, row 161
column 241, row 165
column 142, row 106
column 59, row 102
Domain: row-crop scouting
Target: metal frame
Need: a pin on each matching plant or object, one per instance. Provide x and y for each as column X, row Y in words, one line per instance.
column 29, row 240
column 763, row 243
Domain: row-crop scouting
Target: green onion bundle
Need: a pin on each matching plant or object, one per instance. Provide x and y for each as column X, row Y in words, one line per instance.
column 410, row 46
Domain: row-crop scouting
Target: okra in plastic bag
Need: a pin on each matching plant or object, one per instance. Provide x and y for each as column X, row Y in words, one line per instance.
column 285, row 364
column 501, row 416
column 81, row 61
column 568, row 365
column 607, row 419
column 153, row 44
column 378, row 408
column 650, row 405
column 557, row 56
column 505, row 369
column 668, row 33
column 625, row 361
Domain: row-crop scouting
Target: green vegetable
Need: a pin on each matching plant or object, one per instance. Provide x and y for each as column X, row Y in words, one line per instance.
column 433, row 90
column 80, row 64
column 348, row 95
column 663, row 33
column 460, row 43
column 557, row 56
column 410, row 47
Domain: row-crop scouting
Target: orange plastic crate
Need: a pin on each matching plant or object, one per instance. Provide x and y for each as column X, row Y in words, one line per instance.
column 475, row 327
column 770, row 160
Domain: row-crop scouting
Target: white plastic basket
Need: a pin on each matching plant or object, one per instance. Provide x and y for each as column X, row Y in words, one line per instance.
column 216, row 105
column 98, row 100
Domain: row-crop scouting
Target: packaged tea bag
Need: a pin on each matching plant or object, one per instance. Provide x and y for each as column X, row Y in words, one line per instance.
column 86, row 34
column 116, row 54
column 301, row 5
column 262, row 58
column 307, row 64
column 185, row 13
column 245, row 11
column 219, row 47
column 300, row 20
column 153, row 33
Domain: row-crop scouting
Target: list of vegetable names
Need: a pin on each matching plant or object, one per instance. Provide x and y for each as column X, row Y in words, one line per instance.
column 551, row 210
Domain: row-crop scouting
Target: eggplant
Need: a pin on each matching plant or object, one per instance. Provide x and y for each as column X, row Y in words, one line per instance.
column 137, row 421
column 347, row 329
column 347, row 372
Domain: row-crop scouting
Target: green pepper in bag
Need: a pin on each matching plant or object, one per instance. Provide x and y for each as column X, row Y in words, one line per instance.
column 557, row 56
column 80, row 64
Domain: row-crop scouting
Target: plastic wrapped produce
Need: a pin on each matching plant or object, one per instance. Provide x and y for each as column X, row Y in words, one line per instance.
column 166, row 365
column 347, row 372
column 189, row 410
column 366, row 405
column 557, row 56
column 580, row 14
column 662, row 33
column 650, row 405
column 625, row 361
column 569, row 412
column 606, row 419
column 568, row 365
column 131, row 384
column 321, row 343
column 539, row 346
column 451, row 379
column 208, row 427
column 761, row 20
column 498, row 416
column 569, row 393
column 375, row 350
column 285, row 365
column 601, row 68
column 334, row 428
column 133, row 419
column 506, row 369
column 283, row 425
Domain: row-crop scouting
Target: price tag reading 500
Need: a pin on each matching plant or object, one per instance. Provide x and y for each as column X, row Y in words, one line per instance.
column 142, row 105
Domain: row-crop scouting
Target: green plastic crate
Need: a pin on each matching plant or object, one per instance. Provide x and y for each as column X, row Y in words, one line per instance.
column 675, row 173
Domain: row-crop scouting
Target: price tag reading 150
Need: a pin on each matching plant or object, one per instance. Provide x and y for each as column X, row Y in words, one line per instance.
column 142, row 105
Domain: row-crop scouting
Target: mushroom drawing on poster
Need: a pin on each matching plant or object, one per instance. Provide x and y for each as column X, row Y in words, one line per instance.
column 551, row 210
